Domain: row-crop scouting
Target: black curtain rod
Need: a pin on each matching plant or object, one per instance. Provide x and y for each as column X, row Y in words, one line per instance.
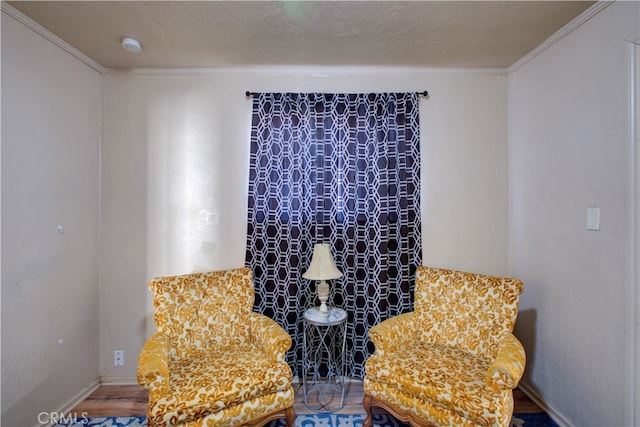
column 248, row 94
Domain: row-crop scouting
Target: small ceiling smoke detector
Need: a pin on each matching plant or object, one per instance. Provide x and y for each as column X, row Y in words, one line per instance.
column 132, row 45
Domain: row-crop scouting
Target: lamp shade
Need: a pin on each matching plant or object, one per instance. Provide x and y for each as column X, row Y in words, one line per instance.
column 322, row 266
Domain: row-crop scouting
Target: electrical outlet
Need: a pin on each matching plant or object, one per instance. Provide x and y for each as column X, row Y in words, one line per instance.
column 118, row 358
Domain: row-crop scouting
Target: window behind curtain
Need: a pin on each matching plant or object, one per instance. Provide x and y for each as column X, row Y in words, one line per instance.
column 342, row 169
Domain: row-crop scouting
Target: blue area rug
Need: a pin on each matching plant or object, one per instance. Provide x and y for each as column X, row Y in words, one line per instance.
column 540, row 419
column 81, row 421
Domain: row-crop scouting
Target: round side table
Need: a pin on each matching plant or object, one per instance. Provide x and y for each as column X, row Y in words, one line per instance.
column 323, row 370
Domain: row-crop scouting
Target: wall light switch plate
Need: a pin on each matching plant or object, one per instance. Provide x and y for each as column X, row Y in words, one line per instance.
column 593, row 219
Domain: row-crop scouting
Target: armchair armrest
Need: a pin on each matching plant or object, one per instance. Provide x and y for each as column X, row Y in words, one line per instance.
column 153, row 365
column 388, row 334
column 269, row 336
column 507, row 369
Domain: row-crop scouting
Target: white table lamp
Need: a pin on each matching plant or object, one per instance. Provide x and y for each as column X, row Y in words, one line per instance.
column 322, row 268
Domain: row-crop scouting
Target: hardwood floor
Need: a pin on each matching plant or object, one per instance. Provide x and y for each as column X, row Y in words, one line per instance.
column 131, row 400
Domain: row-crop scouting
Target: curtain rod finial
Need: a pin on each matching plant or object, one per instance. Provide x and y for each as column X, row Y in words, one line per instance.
column 247, row 94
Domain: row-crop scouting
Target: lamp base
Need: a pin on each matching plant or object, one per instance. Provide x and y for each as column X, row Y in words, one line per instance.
column 323, row 296
column 323, row 310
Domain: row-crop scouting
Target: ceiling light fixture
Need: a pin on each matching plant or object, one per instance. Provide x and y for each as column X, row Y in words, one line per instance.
column 132, row 45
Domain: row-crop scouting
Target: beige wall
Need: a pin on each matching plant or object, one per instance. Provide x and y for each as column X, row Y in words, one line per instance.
column 570, row 149
column 175, row 170
column 51, row 126
column 173, row 200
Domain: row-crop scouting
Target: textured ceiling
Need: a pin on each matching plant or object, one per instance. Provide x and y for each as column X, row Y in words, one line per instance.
column 212, row 34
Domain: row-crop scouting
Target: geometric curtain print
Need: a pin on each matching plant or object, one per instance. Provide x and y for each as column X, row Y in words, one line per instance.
column 342, row 169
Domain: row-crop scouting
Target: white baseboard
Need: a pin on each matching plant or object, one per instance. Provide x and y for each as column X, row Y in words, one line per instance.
column 76, row 400
column 107, row 380
column 560, row 419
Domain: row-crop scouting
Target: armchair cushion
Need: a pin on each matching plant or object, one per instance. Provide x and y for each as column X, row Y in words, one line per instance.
column 217, row 379
column 439, row 375
column 470, row 311
column 200, row 311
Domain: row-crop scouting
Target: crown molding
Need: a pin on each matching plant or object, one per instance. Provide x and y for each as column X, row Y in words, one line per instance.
column 48, row 35
column 561, row 33
column 307, row 71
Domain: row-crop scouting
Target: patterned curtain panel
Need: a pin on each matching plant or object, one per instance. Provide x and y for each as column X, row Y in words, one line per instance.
column 342, row 169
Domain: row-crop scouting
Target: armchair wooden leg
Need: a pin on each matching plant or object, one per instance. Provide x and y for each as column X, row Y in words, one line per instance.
column 287, row 413
column 291, row 416
column 366, row 402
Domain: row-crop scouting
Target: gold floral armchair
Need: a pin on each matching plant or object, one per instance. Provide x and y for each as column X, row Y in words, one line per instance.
column 213, row 361
column 453, row 361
